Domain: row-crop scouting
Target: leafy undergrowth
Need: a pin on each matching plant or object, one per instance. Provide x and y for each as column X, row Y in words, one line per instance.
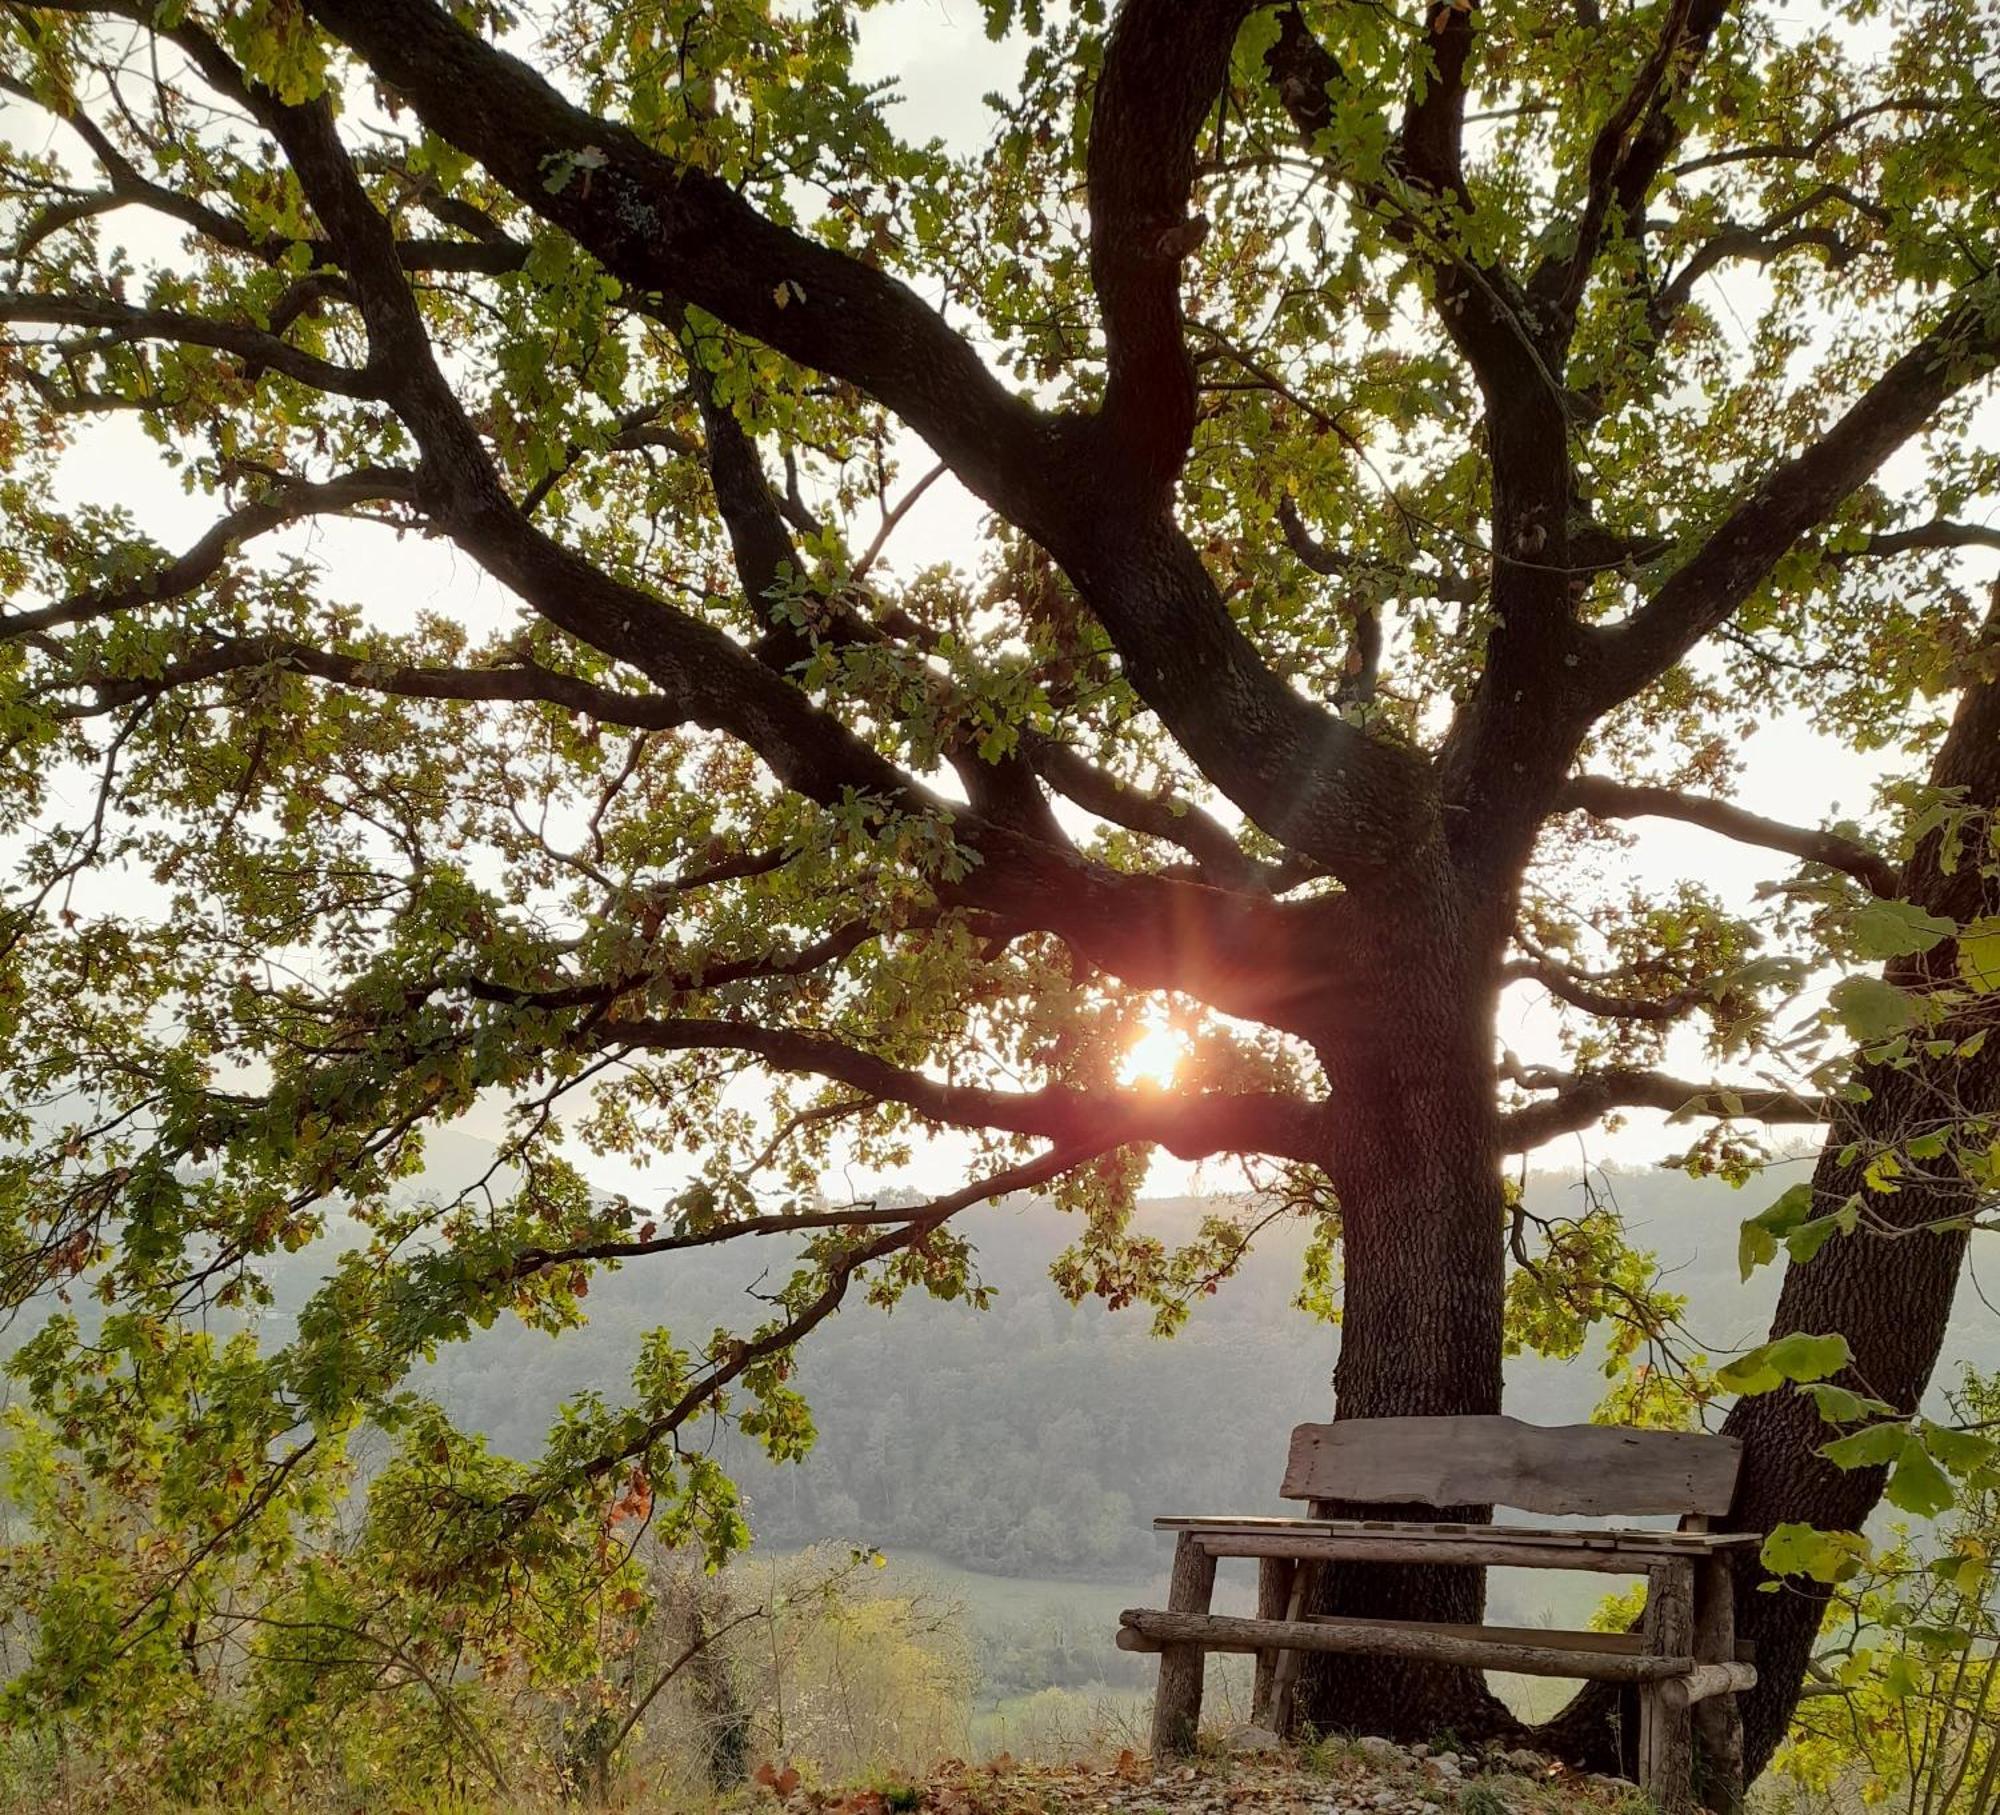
column 1331, row 1778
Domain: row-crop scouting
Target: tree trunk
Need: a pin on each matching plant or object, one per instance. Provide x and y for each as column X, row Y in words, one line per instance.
column 1414, row 1163
column 1890, row 1295
column 1891, row 1299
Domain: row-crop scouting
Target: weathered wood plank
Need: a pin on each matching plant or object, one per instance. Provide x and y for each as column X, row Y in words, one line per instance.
column 1718, row 1720
column 1498, row 1461
column 1630, row 1644
column 1619, row 1644
column 1666, row 1725
column 1285, row 1671
column 1274, row 1601
column 1173, row 1631
column 1627, row 1537
column 1469, row 1553
column 1711, row 1684
column 1177, row 1700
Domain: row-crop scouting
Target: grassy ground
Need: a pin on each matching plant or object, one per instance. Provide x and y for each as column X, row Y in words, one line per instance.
column 991, row 1601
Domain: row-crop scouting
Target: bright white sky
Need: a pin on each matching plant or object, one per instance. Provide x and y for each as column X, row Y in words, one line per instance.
column 938, row 52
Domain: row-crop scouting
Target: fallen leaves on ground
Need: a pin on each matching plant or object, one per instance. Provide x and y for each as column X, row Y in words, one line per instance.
column 1331, row 1780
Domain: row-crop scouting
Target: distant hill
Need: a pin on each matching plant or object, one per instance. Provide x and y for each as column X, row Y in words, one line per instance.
column 1038, row 1438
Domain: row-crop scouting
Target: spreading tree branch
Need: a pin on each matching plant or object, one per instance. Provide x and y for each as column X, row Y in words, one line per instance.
column 1582, row 1100
column 1191, row 1126
column 1305, row 775
column 675, row 230
column 1164, row 64
column 1588, row 993
column 706, row 678
column 1627, row 156
column 492, row 251
column 519, row 681
column 1796, row 495
column 1762, row 244
column 119, row 321
column 1603, row 798
column 1924, row 538
column 285, row 502
column 1205, row 838
column 1003, row 790
column 1510, row 740
column 737, row 1357
column 1337, row 563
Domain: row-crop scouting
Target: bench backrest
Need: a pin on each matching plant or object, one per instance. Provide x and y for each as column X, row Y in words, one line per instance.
column 1569, row 1468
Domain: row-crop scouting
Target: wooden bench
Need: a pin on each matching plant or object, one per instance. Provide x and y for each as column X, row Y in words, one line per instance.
column 1685, row 1660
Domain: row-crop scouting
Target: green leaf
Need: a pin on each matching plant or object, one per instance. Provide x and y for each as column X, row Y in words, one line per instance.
column 1881, row 1173
column 1755, row 1247
column 1898, row 929
column 1795, row 1357
column 1808, row 1238
column 1917, row 1484
column 1876, row 1447
column 1871, row 1009
column 1757, row 1242
column 1803, row 1357
column 1804, row 1550
column 1960, row 1451
column 1839, row 1406
column 1979, row 954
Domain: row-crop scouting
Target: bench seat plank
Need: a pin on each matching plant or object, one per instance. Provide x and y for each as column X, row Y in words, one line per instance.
column 1455, row 1552
column 1655, row 1543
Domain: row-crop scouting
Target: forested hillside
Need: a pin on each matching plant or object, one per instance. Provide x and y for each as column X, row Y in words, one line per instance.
column 1039, row 1437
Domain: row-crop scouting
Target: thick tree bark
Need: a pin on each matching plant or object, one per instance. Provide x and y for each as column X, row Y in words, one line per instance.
column 1888, row 1289
column 1891, row 1299
column 1414, row 1162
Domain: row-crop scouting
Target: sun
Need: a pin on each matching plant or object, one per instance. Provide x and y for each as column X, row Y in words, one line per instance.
column 1154, row 1056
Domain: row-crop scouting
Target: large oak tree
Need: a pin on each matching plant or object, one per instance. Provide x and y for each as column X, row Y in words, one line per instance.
column 1417, row 447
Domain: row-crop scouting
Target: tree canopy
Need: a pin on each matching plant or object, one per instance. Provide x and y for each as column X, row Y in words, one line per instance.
column 1416, row 448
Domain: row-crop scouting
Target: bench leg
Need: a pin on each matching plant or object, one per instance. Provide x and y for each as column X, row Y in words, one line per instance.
column 1718, row 1721
column 1275, row 1712
column 1274, row 1601
column 1666, row 1723
column 1285, row 1671
column 1177, row 1702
